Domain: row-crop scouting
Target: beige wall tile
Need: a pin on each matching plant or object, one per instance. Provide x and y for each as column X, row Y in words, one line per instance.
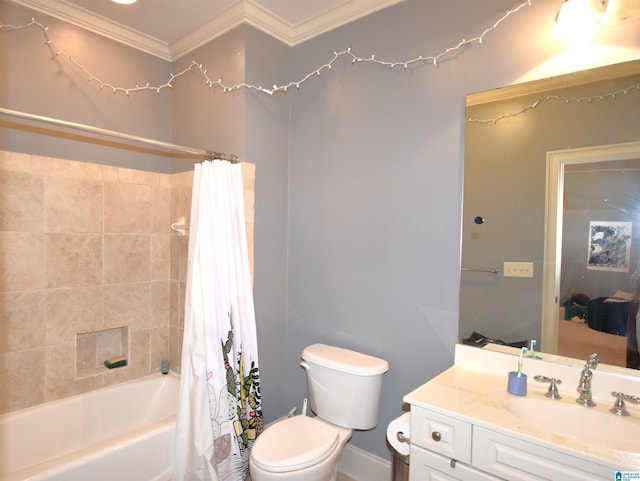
column 21, row 201
column 40, row 164
column 183, row 257
column 21, row 379
column 95, row 172
column 71, row 311
column 127, row 208
column 59, row 167
column 127, row 305
column 74, row 260
column 109, row 173
column 86, row 352
column 164, row 181
column 77, row 170
column 22, row 320
column 22, row 265
column 19, row 162
column 158, row 347
column 160, row 257
column 160, row 304
column 73, row 205
column 143, row 177
column 5, row 160
column 125, row 175
column 126, row 258
column 174, row 245
column 111, row 343
column 175, row 348
column 139, row 353
column 54, row 308
column 161, row 210
column 60, row 374
column 174, row 303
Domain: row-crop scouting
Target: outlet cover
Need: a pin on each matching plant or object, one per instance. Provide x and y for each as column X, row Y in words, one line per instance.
column 518, row 269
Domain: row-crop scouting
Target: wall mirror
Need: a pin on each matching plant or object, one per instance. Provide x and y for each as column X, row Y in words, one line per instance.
column 552, row 168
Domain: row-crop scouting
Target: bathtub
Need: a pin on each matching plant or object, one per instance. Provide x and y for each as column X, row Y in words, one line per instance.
column 123, row 432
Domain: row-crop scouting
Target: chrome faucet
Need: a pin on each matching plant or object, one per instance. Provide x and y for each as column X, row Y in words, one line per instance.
column 584, row 386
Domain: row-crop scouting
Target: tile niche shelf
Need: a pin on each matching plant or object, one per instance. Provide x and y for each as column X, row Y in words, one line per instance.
column 94, row 347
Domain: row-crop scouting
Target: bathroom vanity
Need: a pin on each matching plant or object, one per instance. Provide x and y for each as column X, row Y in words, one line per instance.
column 466, row 426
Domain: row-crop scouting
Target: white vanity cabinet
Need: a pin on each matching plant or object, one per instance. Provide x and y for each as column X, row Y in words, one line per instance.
column 461, row 430
column 441, row 448
column 446, row 448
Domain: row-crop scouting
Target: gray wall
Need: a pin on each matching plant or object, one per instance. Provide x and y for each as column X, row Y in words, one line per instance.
column 34, row 80
column 266, row 144
column 204, row 117
column 359, row 173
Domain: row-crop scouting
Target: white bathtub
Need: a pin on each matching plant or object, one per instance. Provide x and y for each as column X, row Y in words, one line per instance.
column 119, row 433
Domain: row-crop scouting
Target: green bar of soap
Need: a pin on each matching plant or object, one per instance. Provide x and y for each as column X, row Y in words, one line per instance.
column 115, row 362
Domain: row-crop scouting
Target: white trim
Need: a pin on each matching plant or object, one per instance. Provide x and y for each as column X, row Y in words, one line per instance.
column 336, row 17
column 361, row 465
column 542, row 86
column 243, row 11
column 99, row 25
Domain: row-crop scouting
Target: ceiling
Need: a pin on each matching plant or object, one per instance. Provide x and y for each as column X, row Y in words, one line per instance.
column 170, row 29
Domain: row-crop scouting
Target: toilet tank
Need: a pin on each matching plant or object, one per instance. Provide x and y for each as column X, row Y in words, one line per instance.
column 344, row 386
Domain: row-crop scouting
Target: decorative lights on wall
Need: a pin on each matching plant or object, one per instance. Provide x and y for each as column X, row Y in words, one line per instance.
column 403, row 64
column 549, row 98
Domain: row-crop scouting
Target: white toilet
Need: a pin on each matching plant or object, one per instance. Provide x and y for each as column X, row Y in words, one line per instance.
column 344, row 392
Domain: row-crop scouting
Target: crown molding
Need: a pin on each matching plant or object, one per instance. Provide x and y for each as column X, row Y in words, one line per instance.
column 241, row 12
column 543, row 86
column 99, row 25
column 336, row 17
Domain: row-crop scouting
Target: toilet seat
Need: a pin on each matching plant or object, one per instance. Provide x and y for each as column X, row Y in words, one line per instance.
column 293, row 444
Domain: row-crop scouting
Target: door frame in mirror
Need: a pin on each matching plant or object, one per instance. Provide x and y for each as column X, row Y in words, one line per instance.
column 556, row 161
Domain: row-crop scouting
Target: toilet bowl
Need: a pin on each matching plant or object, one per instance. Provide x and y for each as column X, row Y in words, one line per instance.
column 344, row 392
column 299, row 448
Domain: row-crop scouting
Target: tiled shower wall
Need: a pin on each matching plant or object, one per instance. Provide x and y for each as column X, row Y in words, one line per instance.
column 87, row 248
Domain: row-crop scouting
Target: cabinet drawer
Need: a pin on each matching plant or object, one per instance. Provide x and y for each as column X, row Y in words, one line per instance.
column 518, row 460
column 441, row 434
column 427, row 466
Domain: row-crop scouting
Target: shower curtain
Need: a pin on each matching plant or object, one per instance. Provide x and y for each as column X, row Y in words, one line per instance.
column 219, row 412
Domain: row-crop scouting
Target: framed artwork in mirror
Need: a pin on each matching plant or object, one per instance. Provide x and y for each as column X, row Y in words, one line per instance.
column 609, row 246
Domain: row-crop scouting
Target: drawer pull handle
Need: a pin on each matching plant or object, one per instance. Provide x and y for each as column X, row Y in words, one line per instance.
column 436, row 436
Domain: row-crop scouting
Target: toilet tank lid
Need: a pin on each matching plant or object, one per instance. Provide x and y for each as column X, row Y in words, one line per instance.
column 344, row 360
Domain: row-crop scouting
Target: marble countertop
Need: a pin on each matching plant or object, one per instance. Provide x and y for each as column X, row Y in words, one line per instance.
column 475, row 390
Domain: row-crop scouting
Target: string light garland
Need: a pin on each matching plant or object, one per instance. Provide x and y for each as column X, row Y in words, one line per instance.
column 559, row 98
column 404, row 64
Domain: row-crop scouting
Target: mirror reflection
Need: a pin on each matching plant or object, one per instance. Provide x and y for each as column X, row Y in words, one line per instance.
column 564, row 242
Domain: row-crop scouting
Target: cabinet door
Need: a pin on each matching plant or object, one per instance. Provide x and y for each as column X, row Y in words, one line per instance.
column 427, row 466
column 518, row 460
column 441, row 434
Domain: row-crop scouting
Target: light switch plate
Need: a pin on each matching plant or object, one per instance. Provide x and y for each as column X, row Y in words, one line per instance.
column 518, row 269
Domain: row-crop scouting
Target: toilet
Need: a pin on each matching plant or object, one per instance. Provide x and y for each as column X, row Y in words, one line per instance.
column 344, row 392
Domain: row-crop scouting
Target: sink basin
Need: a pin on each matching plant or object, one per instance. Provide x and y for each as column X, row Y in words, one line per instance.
column 567, row 420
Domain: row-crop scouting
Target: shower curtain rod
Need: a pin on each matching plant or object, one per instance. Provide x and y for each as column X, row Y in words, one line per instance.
column 120, row 135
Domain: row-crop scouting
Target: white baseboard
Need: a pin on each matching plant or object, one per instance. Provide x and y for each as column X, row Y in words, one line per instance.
column 363, row 466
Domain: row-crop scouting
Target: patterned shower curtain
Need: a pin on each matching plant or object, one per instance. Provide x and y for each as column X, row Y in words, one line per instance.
column 219, row 413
